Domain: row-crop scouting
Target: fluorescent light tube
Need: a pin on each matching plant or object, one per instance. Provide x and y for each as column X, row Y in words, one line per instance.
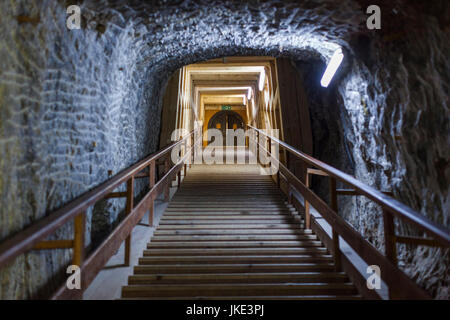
column 332, row 66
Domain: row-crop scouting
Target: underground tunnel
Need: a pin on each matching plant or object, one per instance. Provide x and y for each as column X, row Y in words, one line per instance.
column 78, row 106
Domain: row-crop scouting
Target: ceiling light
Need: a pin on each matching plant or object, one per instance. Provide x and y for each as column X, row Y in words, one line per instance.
column 332, row 66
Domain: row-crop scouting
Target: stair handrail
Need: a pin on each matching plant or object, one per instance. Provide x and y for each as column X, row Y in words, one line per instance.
column 385, row 201
column 32, row 237
column 400, row 286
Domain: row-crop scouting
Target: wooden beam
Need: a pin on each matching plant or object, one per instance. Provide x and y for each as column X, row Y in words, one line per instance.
column 238, row 59
column 218, row 77
column 353, row 192
column 317, row 172
column 169, row 109
column 388, row 203
column 152, row 177
column 95, row 262
column 401, row 285
column 78, row 242
column 224, row 83
column 54, row 244
column 116, row 195
column 404, row 287
column 295, row 114
column 128, row 210
column 307, row 208
column 224, row 99
column 167, row 188
column 219, row 107
column 355, row 276
column 227, row 91
column 418, row 241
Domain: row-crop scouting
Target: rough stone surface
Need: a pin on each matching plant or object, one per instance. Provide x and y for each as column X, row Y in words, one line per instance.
column 75, row 104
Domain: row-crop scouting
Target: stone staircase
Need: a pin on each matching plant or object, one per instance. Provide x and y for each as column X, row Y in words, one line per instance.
column 229, row 234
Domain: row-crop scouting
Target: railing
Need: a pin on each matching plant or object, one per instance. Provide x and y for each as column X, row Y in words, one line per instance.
column 32, row 238
column 400, row 286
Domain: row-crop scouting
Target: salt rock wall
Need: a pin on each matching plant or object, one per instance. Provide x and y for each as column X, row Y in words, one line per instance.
column 77, row 103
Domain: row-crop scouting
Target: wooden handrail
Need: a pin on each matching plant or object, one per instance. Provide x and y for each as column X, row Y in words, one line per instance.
column 388, row 203
column 31, row 237
column 400, row 286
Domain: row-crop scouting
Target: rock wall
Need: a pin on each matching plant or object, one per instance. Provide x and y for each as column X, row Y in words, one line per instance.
column 77, row 103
